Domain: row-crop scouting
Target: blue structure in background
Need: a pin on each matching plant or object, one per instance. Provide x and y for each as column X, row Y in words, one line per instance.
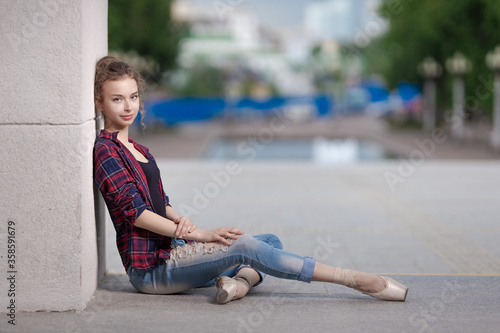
column 191, row 109
column 188, row 109
column 371, row 97
column 367, row 96
column 376, row 91
column 359, row 96
column 408, row 91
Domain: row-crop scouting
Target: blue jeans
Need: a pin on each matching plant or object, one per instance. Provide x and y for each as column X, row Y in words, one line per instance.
column 197, row 265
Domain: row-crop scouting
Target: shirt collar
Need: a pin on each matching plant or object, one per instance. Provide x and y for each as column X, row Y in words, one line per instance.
column 109, row 135
column 113, row 136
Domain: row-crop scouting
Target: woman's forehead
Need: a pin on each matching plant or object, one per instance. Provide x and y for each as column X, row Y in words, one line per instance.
column 123, row 85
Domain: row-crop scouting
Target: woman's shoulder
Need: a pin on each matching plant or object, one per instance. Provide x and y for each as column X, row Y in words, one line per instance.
column 103, row 143
column 103, row 146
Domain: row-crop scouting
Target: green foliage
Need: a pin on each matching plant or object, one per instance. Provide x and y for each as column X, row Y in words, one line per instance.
column 146, row 27
column 436, row 28
column 201, row 80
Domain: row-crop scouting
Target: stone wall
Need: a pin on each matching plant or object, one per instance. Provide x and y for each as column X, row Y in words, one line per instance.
column 47, row 129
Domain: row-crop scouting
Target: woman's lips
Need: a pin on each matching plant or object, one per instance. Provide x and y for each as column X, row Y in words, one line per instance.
column 127, row 117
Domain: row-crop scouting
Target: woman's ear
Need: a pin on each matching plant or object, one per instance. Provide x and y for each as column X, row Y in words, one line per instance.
column 98, row 105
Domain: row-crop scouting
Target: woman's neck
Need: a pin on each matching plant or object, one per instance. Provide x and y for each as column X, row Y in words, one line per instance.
column 123, row 136
column 122, row 133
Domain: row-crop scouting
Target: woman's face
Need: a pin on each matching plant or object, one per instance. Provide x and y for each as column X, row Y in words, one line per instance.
column 120, row 103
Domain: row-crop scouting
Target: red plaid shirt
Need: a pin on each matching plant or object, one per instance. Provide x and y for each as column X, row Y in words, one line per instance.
column 120, row 178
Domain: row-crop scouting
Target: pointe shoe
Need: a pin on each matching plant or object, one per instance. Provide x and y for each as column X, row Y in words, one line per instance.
column 394, row 291
column 226, row 289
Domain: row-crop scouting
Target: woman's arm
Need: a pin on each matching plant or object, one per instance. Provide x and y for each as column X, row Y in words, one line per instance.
column 171, row 213
column 155, row 223
column 184, row 224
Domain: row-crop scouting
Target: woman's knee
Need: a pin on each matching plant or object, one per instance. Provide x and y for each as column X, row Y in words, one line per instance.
column 275, row 241
column 270, row 239
column 244, row 244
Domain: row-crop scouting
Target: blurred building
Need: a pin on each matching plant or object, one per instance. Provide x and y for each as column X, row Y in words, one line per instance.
column 236, row 42
column 342, row 20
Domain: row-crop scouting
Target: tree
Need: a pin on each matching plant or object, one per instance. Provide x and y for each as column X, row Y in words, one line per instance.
column 201, row 80
column 145, row 27
column 437, row 28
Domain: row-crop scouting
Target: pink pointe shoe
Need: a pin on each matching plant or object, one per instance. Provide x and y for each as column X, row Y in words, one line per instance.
column 226, row 289
column 394, row 291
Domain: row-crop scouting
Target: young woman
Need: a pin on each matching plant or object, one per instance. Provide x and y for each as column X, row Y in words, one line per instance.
column 164, row 253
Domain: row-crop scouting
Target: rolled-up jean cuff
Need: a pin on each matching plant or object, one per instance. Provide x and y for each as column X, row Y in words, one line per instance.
column 262, row 275
column 307, row 269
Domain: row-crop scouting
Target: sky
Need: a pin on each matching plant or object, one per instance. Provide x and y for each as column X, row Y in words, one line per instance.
column 272, row 13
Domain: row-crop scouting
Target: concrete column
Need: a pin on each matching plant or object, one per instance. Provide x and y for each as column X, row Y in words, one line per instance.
column 495, row 134
column 457, row 129
column 47, row 129
column 430, row 105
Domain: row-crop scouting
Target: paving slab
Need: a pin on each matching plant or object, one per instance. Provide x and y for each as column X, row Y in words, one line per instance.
column 437, row 232
column 443, row 219
column 435, row 303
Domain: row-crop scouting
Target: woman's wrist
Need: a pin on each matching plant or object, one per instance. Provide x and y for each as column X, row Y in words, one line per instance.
column 195, row 235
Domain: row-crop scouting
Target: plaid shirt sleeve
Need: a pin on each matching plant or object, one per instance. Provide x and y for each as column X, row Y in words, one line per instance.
column 116, row 184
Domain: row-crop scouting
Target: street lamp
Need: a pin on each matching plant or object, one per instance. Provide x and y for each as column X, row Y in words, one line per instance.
column 430, row 70
column 458, row 65
column 331, row 69
column 493, row 61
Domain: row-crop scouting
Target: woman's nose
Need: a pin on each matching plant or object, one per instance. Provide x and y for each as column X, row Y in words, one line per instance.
column 127, row 105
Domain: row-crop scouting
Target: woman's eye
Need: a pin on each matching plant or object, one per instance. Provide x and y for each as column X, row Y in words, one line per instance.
column 116, row 99
column 135, row 97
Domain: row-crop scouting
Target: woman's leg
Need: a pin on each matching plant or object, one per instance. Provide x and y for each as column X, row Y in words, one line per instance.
column 231, row 289
column 377, row 286
column 266, row 238
column 194, row 264
column 364, row 282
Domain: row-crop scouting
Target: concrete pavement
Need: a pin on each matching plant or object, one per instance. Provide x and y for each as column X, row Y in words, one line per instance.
column 435, row 304
column 432, row 225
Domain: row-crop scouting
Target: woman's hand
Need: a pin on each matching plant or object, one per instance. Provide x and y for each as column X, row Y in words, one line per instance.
column 184, row 226
column 224, row 236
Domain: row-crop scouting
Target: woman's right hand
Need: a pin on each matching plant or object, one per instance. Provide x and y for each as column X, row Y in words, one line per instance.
column 223, row 235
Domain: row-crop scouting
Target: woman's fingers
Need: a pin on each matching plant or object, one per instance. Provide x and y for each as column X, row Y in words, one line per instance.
column 230, row 235
column 184, row 226
column 233, row 230
column 178, row 230
column 225, row 241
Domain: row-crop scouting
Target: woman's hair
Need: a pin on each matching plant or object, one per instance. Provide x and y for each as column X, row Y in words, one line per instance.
column 111, row 68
